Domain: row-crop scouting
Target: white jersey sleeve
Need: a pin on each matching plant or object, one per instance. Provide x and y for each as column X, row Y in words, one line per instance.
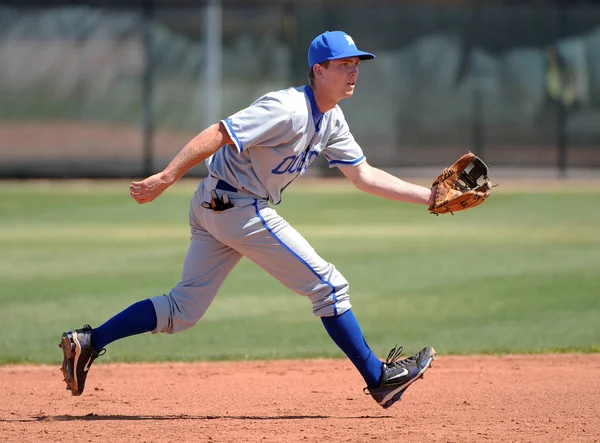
column 266, row 122
column 341, row 148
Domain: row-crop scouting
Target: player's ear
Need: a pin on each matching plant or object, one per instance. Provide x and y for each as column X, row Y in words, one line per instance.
column 318, row 70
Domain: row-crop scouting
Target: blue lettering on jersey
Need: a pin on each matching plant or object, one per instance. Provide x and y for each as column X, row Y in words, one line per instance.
column 283, row 167
column 295, row 163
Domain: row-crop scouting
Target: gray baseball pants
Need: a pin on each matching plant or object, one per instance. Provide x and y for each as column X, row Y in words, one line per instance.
column 252, row 229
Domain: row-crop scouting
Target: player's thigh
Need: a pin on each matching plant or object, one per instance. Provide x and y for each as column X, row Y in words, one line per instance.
column 207, row 263
column 284, row 253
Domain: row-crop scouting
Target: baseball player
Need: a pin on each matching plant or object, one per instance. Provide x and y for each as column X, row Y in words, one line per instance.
column 251, row 157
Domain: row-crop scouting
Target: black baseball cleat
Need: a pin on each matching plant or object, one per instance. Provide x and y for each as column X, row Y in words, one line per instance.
column 79, row 354
column 398, row 375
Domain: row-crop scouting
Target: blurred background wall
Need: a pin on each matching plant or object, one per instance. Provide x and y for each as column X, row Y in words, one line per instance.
column 115, row 89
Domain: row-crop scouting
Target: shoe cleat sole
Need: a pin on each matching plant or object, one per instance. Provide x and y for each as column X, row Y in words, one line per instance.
column 393, row 400
column 67, row 346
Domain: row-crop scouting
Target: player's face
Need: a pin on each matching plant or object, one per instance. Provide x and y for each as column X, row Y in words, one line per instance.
column 341, row 75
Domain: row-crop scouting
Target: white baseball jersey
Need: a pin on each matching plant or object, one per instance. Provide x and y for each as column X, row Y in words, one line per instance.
column 276, row 138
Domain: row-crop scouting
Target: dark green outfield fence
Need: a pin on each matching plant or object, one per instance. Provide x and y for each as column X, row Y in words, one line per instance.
column 109, row 89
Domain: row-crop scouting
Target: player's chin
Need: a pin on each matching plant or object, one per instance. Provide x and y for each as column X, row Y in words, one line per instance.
column 349, row 92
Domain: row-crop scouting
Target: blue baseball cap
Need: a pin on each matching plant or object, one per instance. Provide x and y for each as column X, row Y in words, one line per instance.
column 333, row 45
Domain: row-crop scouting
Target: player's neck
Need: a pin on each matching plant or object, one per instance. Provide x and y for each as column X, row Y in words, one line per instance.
column 324, row 100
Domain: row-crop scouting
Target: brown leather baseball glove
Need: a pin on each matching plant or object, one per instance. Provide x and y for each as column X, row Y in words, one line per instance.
column 463, row 185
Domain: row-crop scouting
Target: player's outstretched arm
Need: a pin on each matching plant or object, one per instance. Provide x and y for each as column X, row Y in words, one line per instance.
column 194, row 152
column 377, row 182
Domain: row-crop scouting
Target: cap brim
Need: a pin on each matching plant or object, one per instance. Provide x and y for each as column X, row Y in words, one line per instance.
column 362, row 55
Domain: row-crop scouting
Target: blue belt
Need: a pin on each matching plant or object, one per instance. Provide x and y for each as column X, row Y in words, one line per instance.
column 224, row 186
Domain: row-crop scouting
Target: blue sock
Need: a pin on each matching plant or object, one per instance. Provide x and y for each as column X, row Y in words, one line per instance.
column 345, row 332
column 136, row 319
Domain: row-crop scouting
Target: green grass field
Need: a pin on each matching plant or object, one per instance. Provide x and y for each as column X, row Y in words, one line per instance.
column 519, row 274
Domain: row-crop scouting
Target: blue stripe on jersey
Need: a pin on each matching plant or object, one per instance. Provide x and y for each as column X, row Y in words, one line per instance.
column 328, row 283
column 350, row 162
column 317, row 115
column 232, row 133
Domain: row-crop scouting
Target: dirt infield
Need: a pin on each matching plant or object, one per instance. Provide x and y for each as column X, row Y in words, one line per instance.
column 462, row 399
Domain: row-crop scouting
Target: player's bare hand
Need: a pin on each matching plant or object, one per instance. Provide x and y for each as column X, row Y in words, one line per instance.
column 148, row 189
column 432, row 190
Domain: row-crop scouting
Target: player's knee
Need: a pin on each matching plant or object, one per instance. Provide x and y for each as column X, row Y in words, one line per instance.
column 175, row 312
column 331, row 303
